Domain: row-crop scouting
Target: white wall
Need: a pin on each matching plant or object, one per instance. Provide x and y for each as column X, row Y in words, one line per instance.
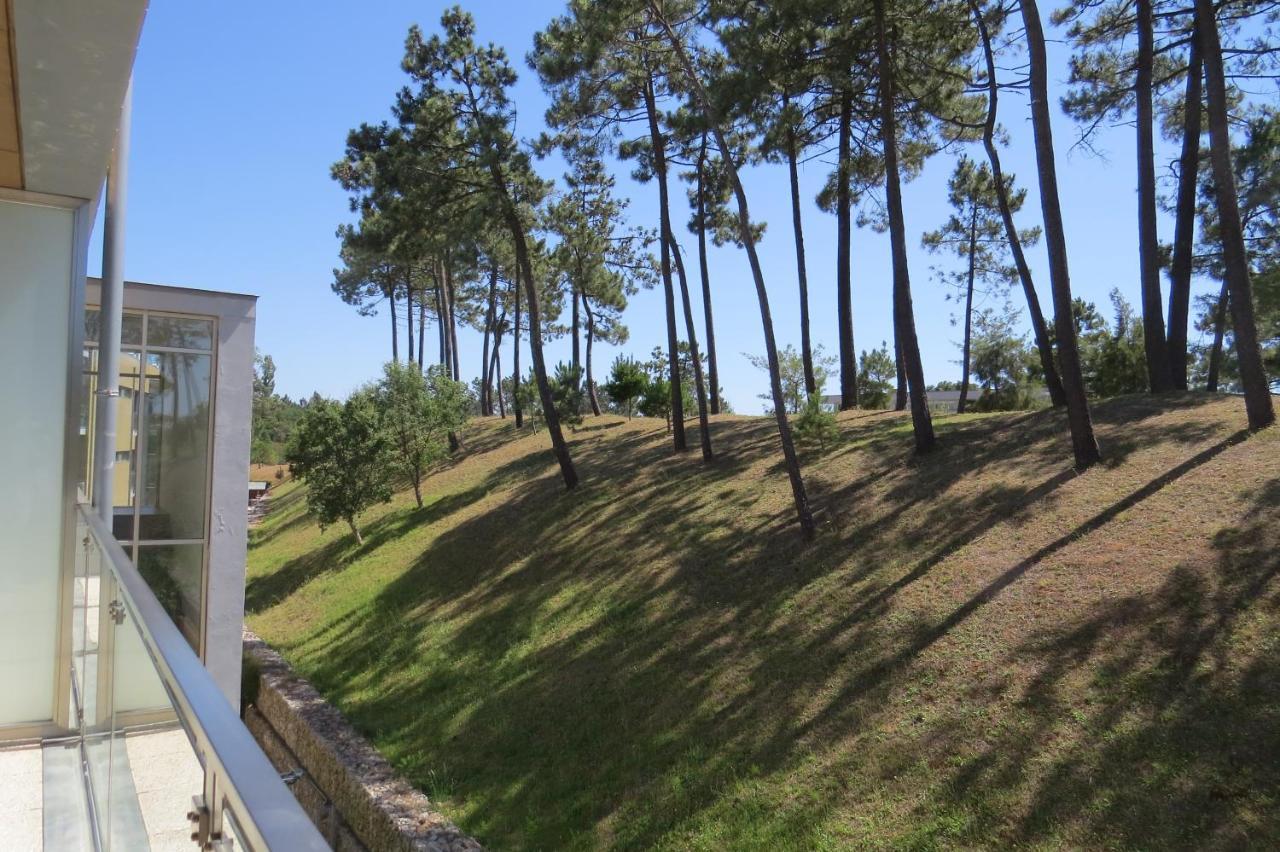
column 36, row 250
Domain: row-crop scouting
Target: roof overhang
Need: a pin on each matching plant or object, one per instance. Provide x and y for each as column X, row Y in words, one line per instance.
column 63, row 74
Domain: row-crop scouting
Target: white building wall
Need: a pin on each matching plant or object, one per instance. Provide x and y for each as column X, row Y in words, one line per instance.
column 37, row 245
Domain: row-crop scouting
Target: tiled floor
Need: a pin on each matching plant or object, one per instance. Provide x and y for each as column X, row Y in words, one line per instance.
column 21, row 802
column 166, row 776
column 144, row 784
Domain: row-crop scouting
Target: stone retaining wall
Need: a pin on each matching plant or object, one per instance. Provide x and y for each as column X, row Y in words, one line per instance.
column 349, row 790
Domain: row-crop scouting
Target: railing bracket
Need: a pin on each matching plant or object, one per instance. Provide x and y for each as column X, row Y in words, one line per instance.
column 201, row 820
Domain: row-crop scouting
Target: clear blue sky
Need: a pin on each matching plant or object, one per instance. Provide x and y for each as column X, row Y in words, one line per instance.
column 240, row 108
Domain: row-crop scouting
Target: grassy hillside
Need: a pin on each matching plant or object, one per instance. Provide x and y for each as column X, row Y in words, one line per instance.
column 980, row 649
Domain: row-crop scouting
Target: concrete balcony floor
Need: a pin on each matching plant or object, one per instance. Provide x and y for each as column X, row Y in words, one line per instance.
column 152, row 774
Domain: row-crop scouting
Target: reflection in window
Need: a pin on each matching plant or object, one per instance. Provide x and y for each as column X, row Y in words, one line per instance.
column 175, row 573
column 161, row 484
column 179, row 332
column 176, row 413
column 130, row 327
column 126, row 435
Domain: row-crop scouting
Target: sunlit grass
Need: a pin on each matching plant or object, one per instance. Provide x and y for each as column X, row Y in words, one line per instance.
column 982, row 648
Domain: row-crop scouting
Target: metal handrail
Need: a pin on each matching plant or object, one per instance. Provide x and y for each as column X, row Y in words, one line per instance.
column 265, row 812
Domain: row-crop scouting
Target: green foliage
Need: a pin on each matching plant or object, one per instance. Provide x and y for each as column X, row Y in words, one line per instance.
column 791, row 372
column 656, row 400
column 419, row 412
column 815, row 425
column 526, row 394
column 1257, row 165
column 568, row 394
column 877, row 378
column 274, row 417
column 1112, row 359
column 974, row 233
column 627, row 384
column 659, row 371
column 344, row 456
column 999, row 362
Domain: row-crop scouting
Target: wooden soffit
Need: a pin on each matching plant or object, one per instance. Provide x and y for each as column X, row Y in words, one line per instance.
column 10, row 144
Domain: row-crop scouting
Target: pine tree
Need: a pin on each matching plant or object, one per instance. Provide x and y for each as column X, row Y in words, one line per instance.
column 463, row 87
column 747, row 235
column 1084, row 444
column 1238, row 284
column 1040, row 331
column 975, row 234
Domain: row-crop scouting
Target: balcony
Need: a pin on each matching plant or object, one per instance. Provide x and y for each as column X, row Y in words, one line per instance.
column 157, row 759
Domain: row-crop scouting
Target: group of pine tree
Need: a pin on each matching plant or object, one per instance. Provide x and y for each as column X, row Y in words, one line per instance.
column 455, row 226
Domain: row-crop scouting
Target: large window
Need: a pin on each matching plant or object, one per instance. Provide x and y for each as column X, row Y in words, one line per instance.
column 163, row 424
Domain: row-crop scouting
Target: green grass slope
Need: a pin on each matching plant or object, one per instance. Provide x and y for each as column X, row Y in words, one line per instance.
column 981, row 648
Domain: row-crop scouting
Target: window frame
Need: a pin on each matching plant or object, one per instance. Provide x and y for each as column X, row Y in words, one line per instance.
column 134, row 543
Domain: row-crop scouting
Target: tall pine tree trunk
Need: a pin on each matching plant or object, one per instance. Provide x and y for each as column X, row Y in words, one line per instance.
column 1148, row 238
column 422, row 331
column 965, row 359
column 453, row 323
column 700, row 388
column 576, row 323
column 515, row 357
column 803, row 513
column 802, row 274
column 395, row 327
column 1253, row 376
column 904, row 321
column 1053, row 382
column 1084, row 444
column 1184, row 227
column 550, row 416
column 490, row 315
column 444, row 338
column 844, row 247
column 408, row 312
column 713, row 374
column 495, row 374
column 591, row 336
column 1219, row 335
column 900, row 371
column 658, row 152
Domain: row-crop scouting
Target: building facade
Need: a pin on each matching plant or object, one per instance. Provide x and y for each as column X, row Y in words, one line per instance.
column 124, row 446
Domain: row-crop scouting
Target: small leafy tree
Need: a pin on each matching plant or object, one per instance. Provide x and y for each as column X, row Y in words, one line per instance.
column 568, row 394
column 274, row 416
column 877, row 376
column 420, row 411
column 402, row 399
column 343, row 454
column 627, row 384
column 999, row 361
column 656, row 400
column 526, row 398
column 1117, row 364
column 815, row 425
column 791, row 369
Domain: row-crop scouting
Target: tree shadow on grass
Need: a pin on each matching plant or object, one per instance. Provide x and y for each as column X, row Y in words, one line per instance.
column 518, row 672
column 1162, row 708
